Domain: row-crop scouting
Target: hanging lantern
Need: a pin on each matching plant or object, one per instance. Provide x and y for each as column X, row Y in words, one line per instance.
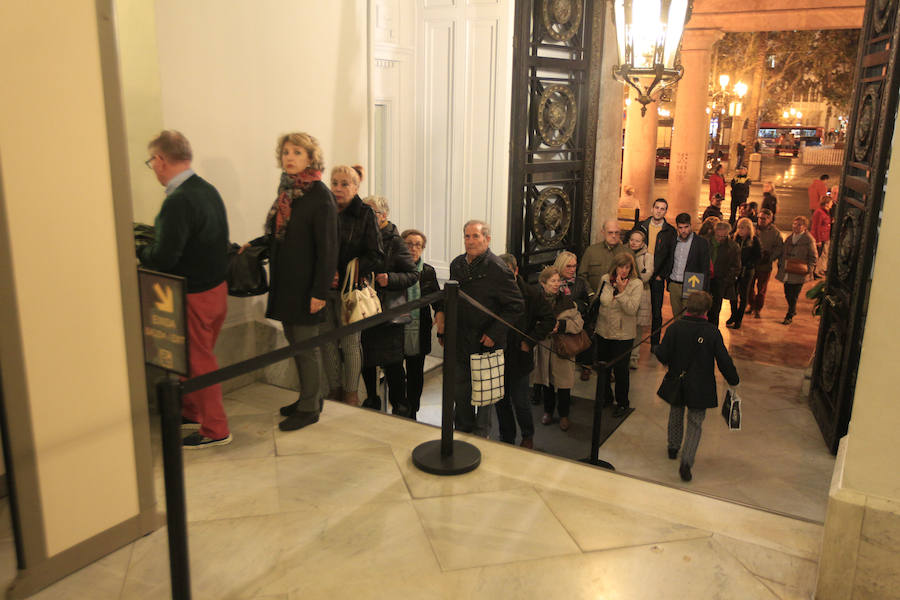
column 649, row 35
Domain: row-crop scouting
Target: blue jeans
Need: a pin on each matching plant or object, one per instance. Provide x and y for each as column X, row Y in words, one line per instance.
column 515, row 399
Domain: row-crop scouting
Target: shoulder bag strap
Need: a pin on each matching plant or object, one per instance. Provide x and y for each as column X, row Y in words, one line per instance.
column 349, row 277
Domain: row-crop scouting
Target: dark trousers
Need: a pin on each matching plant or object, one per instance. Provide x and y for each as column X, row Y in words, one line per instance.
column 555, row 399
column 396, row 381
column 657, row 294
column 742, row 287
column 791, row 293
column 716, row 289
column 760, row 283
column 468, row 418
column 515, row 407
column 415, row 381
column 607, row 350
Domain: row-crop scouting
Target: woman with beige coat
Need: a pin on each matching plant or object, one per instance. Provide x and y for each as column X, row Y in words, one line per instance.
column 643, row 262
column 553, row 376
column 620, row 299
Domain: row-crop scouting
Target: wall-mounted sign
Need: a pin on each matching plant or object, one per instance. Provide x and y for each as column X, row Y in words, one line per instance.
column 693, row 282
column 164, row 321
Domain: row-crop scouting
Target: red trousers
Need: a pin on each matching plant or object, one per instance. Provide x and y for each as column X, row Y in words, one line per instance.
column 205, row 315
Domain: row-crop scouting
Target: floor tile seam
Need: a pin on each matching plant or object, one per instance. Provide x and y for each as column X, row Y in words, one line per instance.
column 515, row 562
column 434, row 552
column 766, row 583
column 708, row 535
column 128, row 568
column 558, row 519
column 524, row 485
column 332, row 452
column 403, row 477
column 763, row 580
column 736, row 557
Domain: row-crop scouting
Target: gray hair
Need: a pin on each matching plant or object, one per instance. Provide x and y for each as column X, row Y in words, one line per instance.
column 172, row 145
column 485, row 228
column 510, row 261
column 379, row 204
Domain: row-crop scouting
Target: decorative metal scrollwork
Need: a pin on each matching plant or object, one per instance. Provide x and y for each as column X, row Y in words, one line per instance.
column 847, row 245
column 865, row 123
column 551, row 216
column 557, row 112
column 882, row 14
column 832, row 353
column 562, row 18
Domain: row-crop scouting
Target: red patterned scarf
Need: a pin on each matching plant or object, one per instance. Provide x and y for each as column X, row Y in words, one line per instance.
column 290, row 188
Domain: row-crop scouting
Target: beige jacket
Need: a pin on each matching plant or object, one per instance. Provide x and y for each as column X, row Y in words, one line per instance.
column 644, row 262
column 617, row 317
column 550, row 369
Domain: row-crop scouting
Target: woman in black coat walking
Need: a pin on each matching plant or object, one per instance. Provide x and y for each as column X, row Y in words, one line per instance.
column 383, row 344
column 417, row 333
column 301, row 232
column 751, row 251
column 690, row 347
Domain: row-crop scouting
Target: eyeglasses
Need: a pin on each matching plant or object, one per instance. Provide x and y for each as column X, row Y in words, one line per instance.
column 415, row 245
column 148, row 161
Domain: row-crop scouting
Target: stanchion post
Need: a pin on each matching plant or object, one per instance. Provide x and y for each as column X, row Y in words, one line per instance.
column 169, row 395
column 599, row 401
column 451, row 310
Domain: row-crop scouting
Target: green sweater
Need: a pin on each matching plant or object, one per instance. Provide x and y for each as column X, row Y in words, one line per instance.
column 191, row 236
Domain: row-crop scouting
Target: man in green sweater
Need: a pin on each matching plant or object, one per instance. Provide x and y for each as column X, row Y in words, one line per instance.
column 192, row 241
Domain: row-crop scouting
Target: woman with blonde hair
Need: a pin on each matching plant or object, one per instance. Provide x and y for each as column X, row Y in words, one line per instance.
column 751, row 251
column 301, row 232
column 643, row 262
column 620, row 299
column 359, row 238
column 579, row 290
column 554, row 376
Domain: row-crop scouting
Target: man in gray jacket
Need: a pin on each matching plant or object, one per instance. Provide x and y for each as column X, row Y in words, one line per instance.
column 771, row 243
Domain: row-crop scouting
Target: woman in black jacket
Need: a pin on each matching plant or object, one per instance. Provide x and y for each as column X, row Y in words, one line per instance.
column 417, row 333
column 690, row 348
column 383, row 345
column 359, row 238
column 301, row 232
column 751, row 252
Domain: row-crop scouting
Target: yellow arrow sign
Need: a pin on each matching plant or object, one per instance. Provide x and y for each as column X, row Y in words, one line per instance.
column 166, row 301
column 693, row 280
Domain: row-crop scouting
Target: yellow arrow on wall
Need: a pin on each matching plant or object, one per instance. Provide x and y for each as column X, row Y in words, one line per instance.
column 693, row 280
column 166, row 302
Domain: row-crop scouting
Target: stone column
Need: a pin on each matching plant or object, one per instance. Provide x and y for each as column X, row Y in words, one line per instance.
column 690, row 133
column 639, row 159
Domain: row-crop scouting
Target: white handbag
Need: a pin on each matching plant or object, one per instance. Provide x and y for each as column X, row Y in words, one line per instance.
column 358, row 300
column 487, row 377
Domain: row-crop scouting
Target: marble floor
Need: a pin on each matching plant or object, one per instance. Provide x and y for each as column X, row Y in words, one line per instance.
column 337, row 510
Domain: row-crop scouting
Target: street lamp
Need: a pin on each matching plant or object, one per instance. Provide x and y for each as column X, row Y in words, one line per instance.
column 649, row 34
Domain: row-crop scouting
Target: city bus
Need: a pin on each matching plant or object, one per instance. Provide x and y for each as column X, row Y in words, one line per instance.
column 784, row 140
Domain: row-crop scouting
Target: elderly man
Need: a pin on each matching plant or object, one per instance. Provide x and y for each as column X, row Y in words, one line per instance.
column 487, row 279
column 771, row 244
column 191, row 241
column 598, row 258
column 690, row 254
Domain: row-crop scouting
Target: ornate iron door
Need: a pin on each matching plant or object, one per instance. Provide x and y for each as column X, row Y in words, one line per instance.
column 854, row 235
column 552, row 132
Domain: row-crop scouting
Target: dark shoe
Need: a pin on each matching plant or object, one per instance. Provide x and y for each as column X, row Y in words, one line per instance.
column 527, row 442
column 685, row 472
column 737, row 325
column 730, row 325
column 373, row 403
column 289, row 409
column 585, row 373
column 298, row 420
column 620, row 411
column 787, row 321
column 673, row 453
column 756, row 315
column 188, row 425
column 195, row 441
column 653, row 349
column 730, row 321
column 564, row 423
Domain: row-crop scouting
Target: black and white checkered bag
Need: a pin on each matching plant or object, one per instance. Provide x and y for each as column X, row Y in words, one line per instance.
column 487, row 377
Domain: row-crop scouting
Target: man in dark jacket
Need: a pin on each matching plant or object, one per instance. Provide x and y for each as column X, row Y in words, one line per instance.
column 714, row 209
column 690, row 254
column 725, row 255
column 740, row 191
column 537, row 321
column 771, row 244
column 192, row 241
column 690, row 348
column 486, row 279
column 661, row 242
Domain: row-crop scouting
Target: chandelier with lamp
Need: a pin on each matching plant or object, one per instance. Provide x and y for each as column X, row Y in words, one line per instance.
column 649, row 33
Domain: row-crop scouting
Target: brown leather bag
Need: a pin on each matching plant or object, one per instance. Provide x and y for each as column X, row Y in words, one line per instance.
column 570, row 345
column 796, row 267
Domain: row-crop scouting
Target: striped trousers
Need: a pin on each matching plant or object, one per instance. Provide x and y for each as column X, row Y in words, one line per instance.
column 695, row 418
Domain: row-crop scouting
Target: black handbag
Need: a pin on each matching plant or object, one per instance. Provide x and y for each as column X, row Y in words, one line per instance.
column 246, row 273
column 672, row 387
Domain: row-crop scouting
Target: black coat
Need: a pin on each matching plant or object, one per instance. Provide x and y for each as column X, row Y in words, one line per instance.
column 537, row 320
column 711, row 211
column 693, row 344
column 360, row 238
column 726, row 268
column 383, row 344
column 579, row 290
column 302, row 265
column 489, row 281
column 751, row 253
column 428, row 284
column 665, row 245
column 697, row 260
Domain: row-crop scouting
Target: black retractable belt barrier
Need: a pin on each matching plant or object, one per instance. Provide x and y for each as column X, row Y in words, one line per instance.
column 448, row 456
column 169, row 394
column 599, row 401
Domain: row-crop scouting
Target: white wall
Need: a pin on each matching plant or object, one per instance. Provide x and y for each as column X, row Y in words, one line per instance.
column 464, row 54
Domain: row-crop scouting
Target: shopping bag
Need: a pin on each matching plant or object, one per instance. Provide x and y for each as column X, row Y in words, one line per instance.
column 487, row 377
column 731, row 410
column 358, row 300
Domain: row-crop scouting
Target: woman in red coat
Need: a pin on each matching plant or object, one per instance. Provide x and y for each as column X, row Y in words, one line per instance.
column 716, row 182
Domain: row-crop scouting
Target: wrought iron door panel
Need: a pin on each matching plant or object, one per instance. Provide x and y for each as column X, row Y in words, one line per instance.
column 854, row 235
column 549, row 132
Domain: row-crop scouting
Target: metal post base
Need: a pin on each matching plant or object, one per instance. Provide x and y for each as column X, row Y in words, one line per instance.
column 464, row 458
column 598, row 463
